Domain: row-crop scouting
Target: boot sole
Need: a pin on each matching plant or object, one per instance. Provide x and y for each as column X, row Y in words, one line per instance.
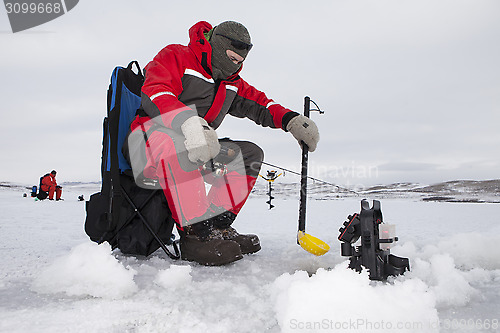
column 252, row 251
column 222, row 253
column 213, row 263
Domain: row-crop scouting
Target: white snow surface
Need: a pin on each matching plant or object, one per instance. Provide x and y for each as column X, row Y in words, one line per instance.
column 54, row 279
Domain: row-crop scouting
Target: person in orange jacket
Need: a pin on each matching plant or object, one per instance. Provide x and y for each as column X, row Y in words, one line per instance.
column 49, row 184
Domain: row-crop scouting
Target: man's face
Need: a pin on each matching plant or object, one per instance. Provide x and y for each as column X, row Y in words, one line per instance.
column 234, row 57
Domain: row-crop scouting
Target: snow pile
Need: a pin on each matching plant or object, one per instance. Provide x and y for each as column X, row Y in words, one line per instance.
column 445, row 275
column 456, row 266
column 175, row 276
column 89, row 269
column 450, row 286
column 472, row 250
column 343, row 300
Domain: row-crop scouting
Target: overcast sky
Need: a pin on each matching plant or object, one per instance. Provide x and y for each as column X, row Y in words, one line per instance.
column 410, row 89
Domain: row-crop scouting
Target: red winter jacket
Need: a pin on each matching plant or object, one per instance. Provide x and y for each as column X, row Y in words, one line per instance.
column 47, row 181
column 180, row 76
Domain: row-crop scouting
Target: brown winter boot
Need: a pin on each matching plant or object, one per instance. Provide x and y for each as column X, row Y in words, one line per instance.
column 201, row 244
column 248, row 243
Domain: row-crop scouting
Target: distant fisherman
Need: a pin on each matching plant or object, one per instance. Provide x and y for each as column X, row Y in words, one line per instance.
column 49, row 185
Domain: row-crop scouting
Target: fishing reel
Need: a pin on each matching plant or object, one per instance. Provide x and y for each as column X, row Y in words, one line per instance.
column 217, row 169
column 376, row 239
column 217, row 166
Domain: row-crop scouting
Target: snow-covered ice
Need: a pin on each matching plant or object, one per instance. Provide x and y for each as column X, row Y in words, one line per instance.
column 88, row 269
column 54, row 279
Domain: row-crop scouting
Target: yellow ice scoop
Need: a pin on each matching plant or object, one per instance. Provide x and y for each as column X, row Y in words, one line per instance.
column 312, row 244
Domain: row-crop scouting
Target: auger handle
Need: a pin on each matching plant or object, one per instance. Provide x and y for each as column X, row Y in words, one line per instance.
column 303, row 174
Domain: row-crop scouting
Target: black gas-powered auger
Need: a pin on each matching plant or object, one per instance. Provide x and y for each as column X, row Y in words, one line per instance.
column 376, row 240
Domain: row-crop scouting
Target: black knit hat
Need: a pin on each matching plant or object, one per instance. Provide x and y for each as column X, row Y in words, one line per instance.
column 232, row 36
column 53, row 172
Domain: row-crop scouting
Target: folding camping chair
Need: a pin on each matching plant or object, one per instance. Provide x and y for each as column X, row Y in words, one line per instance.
column 130, row 214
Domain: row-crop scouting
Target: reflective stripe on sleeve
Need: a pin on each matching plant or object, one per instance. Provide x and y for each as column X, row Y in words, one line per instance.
column 162, row 93
column 269, row 104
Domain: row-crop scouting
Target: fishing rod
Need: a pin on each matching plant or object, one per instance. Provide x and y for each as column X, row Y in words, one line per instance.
column 312, row 178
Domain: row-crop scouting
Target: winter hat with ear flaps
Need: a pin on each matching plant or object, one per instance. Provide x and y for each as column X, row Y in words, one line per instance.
column 232, row 36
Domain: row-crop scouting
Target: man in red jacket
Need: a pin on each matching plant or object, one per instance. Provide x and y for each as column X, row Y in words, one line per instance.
column 49, row 184
column 188, row 90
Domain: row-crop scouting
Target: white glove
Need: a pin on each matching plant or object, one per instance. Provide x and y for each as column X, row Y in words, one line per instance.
column 201, row 140
column 304, row 130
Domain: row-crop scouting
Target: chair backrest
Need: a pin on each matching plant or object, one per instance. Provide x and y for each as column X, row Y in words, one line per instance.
column 42, row 195
column 124, row 98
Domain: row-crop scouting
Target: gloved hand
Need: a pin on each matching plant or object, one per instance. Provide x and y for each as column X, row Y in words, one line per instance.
column 201, row 140
column 304, row 129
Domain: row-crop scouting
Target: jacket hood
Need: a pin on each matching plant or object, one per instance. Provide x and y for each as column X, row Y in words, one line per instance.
column 202, row 48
